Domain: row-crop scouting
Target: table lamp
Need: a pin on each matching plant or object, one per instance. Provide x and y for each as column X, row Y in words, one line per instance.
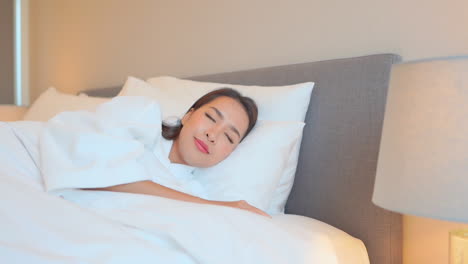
column 423, row 160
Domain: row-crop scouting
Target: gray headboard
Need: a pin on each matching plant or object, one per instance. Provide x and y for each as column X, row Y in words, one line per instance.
column 338, row 158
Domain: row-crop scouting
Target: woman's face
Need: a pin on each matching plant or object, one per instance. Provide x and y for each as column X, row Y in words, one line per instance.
column 210, row 133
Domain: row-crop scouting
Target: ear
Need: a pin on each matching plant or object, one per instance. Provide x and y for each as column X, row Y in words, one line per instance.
column 187, row 116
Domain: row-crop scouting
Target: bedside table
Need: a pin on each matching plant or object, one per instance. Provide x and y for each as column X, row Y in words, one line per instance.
column 12, row 112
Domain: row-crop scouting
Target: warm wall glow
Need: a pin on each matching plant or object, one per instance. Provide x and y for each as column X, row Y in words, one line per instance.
column 426, row 241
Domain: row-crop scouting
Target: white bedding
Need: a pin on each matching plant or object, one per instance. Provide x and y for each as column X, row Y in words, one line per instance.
column 107, row 227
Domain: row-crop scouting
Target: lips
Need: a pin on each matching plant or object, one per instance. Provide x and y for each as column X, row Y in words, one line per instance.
column 202, row 146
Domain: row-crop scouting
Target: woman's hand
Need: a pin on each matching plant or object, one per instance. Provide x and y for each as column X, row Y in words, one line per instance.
column 151, row 188
column 244, row 206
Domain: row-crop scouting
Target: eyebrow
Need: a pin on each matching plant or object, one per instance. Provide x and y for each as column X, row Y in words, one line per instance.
column 233, row 128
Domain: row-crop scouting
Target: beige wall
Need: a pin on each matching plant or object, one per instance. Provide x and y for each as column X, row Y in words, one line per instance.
column 83, row 44
column 77, row 45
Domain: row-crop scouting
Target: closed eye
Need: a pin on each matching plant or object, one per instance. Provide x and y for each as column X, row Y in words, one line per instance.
column 229, row 138
column 210, row 117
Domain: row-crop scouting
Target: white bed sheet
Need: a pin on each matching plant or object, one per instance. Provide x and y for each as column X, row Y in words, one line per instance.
column 347, row 249
column 107, row 227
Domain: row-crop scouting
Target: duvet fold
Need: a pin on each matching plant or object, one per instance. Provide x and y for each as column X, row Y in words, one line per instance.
column 99, row 149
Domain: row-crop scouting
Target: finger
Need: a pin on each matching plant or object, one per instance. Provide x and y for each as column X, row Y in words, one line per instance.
column 260, row 212
column 264, row 214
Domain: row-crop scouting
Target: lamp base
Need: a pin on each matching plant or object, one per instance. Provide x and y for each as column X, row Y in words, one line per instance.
column 458, row 249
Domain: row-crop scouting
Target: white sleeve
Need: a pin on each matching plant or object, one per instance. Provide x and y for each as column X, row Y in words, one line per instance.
column 102, row 148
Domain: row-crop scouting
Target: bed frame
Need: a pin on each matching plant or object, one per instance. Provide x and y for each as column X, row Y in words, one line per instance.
column 338, row 159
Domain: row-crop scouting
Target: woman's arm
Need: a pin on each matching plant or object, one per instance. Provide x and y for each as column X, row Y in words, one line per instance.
column 152, row 188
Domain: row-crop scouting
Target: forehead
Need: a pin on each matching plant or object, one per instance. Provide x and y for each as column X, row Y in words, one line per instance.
column 232, row 110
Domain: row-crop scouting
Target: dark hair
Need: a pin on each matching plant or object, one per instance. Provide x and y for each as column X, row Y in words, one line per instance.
column 170, row 131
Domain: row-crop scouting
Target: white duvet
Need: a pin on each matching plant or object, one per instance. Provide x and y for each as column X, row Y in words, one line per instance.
column 107, row 227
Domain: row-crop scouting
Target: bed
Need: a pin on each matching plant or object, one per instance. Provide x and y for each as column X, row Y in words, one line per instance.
column 331, row 193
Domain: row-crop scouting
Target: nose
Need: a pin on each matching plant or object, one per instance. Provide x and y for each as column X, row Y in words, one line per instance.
column 212, row 134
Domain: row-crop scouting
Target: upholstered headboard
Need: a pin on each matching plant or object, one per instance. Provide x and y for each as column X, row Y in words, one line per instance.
column 336, row 170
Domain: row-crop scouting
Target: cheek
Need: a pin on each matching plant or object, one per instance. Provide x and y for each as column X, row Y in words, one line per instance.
column 225, row 150
column 197, row 124
column 192, row 127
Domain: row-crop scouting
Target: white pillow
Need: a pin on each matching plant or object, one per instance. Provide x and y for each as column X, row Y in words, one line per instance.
column 51, row 102
column 275, row 103
column 283, row 189
column 280, row 103
column 254, row 170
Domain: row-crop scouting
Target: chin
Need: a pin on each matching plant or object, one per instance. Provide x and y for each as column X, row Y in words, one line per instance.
column 200, row 160
column 206, row 164
column 203, row 164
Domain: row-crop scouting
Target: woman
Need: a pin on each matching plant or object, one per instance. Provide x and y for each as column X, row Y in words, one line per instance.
column 209, row 131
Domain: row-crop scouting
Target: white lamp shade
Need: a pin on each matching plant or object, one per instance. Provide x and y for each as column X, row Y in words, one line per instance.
column 423, row 160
